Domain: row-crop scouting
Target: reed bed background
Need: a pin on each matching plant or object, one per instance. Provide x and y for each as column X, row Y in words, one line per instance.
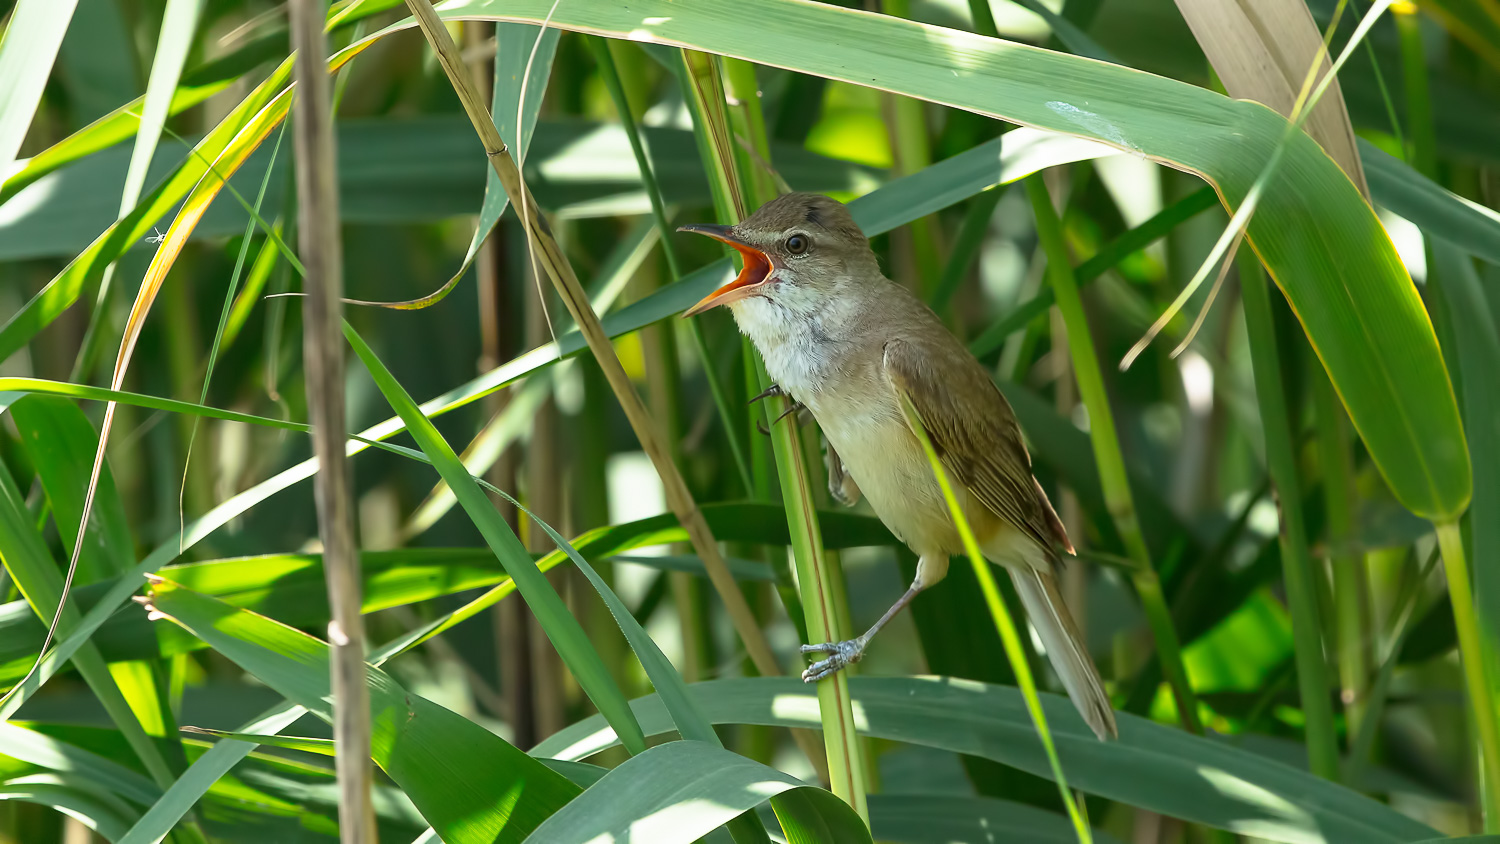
column 1253, row 346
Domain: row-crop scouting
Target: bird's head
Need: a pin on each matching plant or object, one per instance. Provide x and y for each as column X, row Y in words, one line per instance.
column 799, row 249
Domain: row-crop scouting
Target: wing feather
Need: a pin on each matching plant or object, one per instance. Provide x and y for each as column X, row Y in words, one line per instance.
column 975, row 433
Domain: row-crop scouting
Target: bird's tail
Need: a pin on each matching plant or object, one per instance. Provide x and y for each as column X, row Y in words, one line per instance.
column 1065, row 647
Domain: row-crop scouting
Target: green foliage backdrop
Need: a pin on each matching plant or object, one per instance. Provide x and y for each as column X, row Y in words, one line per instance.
column 1287, row 528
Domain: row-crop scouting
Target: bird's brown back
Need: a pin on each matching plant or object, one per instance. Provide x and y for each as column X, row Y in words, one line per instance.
column 972, row 425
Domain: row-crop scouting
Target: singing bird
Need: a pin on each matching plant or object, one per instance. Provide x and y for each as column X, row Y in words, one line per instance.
column 847, row 343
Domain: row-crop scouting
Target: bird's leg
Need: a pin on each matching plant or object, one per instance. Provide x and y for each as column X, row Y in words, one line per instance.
column 931, row 568
column 848, row 651
column 775, row 390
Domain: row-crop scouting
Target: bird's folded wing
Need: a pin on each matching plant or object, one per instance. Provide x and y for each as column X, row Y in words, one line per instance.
column 975, row 433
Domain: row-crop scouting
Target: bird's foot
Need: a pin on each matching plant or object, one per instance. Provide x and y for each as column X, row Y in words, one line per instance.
column 840, row 654
column 773, row 390
column 793, row 406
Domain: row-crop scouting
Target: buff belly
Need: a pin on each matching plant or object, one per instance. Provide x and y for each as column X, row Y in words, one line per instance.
column 893, row 473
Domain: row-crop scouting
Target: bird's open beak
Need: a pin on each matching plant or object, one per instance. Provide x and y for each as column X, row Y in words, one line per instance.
column 757, row 268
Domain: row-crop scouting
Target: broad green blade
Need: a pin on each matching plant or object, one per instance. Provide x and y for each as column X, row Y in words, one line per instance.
column 581, row 773
column 109, row 818
column 562, row 629
column 1151, row 766
column 206, row 770
column 682, row 790
column 943, row 818
column 471, row 785
column 53, row 754
column 1440, row 213
column 179, row 22
column 58, row 439
column 320, row 746
column 1343, row 277
column 29, row 48
column 36, row 575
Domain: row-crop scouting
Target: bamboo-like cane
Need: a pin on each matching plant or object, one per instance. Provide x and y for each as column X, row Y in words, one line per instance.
column 323, row 356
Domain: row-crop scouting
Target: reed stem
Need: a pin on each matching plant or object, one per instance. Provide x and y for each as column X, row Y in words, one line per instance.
column 846, row 770
column 727, row 414
column 1003, row 623
column 323, row 361
column 1281, row 460
column 1471, row 653
column 557, row 269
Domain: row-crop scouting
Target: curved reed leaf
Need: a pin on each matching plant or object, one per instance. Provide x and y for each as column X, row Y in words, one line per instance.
column 467, row 782
column 683, row 790
column 1343, row 277
column 564, row 631
column 1151, row 766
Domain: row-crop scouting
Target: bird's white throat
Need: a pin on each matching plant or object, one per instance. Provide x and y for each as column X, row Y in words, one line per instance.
column 800, row 338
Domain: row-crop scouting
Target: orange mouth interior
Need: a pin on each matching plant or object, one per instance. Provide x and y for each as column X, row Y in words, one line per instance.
column 757, row 268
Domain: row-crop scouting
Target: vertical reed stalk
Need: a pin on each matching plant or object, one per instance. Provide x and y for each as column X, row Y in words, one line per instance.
column 749, row 124
column 543, row 469
column 1281, row 460
column 1351, row 629
column 1476, row 651
column 1471, row 653
column 1421, row 131
column 323, row 360
column 846, row 770
column 1107, row 454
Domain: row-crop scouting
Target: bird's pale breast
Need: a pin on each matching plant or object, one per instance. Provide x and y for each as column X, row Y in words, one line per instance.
column 893, row 473
column 845, row 387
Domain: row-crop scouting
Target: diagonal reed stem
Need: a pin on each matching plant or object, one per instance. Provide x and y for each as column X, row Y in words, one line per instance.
column 555, row 265
column 1003, row 623
column 323, row 353
column 1112, row 475
column 606, row 62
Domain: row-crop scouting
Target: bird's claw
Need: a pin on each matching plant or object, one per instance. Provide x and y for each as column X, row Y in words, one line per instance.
column 773, row 390
column 840, row 654
column 793, row 406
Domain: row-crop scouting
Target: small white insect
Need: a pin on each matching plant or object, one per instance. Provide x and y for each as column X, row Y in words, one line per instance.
column 156, row 238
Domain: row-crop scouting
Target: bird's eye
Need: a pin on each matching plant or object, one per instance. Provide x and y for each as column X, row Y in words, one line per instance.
column 797, row 244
